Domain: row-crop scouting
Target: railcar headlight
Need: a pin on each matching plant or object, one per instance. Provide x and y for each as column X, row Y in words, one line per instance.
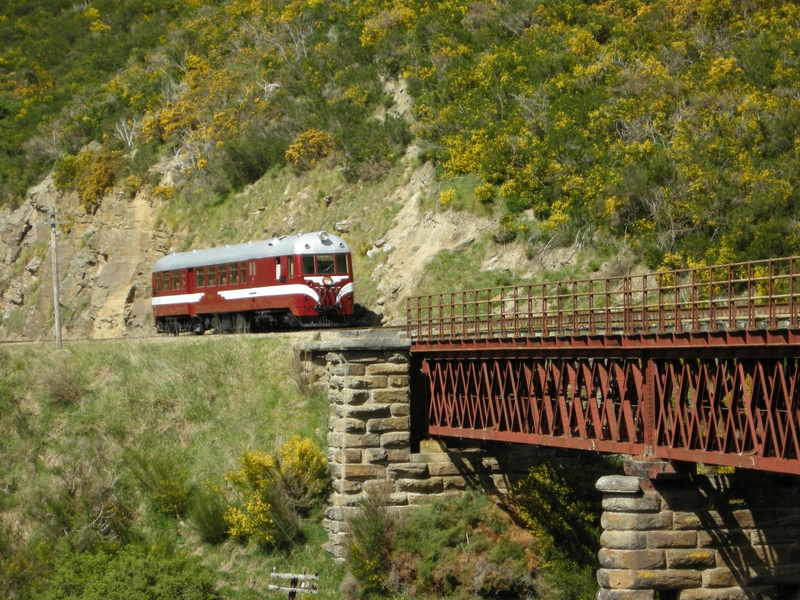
column 323, row 235
column 327, row 281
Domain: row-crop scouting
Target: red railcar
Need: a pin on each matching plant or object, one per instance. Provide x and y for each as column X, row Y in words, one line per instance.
column 294, row 281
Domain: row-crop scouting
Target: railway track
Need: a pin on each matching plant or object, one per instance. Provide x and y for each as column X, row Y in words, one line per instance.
column 299, row 334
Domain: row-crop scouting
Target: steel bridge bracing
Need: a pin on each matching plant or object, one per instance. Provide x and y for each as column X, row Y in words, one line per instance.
column 712, row 379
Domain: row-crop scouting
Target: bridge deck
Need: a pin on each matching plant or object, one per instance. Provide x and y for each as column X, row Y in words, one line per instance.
column 700, row 365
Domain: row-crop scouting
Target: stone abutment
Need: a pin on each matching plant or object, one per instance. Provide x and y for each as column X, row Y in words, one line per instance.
column 673, row 535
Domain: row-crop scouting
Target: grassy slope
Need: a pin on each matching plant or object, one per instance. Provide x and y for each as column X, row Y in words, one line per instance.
column 73, row 421
column 81, row 424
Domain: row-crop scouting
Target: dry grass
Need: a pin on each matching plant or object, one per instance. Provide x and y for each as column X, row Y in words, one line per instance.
column 62, row 381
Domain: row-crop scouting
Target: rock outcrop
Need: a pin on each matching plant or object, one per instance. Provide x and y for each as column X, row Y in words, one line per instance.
column 104, row 262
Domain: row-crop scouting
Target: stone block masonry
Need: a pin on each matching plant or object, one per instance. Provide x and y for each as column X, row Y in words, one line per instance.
column 375, row 434
column 690, row 537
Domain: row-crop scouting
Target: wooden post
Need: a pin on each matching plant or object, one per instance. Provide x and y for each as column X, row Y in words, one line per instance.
column 292, row 590
column 54, row 255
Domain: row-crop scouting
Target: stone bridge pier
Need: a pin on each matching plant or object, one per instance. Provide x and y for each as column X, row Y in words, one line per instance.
column 668, row 533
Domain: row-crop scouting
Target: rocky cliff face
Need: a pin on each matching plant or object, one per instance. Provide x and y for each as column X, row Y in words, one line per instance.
column 104, row 262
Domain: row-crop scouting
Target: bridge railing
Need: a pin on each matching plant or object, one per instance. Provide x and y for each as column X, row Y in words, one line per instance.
column 757, row 294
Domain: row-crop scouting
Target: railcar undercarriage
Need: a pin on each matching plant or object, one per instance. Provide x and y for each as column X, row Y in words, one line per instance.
column 244, row 322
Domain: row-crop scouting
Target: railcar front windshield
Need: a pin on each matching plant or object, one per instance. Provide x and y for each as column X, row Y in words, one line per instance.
column 308, row 265
column 341, row 263
column 325, row 264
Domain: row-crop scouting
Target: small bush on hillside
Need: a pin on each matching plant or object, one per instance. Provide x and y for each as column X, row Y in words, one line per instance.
column 304, row 470
column 63, row 383
column 246, row 159
column 264, row 513
column 163, row 477
column 484, row 192
column 275, row 491
column 507, row 230
column 83, row 499
column 560, row 504
column 91, row 172
column 564, row 579
column 371, row 543
column 464, row 546
column 22, row 566
column 310, row 147
column 206, row 513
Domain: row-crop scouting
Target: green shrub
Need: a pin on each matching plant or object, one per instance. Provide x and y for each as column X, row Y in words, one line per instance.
column 510, row 229
column 560, row 504
column 163, row 477
column 484, row 192
column 304, row 471
column 131, row 573
column 564, row 579
column 83, row 499
column 308, row 148
column 91, row 172
column 274, row 491
column 245, row 160
column 464, row 546
column 206, row 513
column 371, row 542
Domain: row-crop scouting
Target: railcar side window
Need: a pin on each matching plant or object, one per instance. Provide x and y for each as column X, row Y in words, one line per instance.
column 201, row 277
column 243, row 272
column 234, row 273
column 165, row 280
column 176, row 280
column 291, row 267
column 183, row 280
column 341, row 263
column 211, row 276
column 325, row 263
column 308, row 265
column 156, row 282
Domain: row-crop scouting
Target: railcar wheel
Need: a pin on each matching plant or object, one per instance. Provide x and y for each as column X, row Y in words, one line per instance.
column 241, row 324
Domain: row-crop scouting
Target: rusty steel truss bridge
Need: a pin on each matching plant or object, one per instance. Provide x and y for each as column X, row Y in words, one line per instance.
column 698, row 365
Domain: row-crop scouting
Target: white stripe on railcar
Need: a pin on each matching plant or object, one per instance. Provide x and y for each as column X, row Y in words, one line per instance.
column 272, row 290
column 177, row 299
column 348, row 289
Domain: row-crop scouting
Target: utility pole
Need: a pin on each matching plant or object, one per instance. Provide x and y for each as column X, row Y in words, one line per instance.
column 56, row 302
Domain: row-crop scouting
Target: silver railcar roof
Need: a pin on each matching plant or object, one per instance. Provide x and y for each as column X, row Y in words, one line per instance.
column 306, row 243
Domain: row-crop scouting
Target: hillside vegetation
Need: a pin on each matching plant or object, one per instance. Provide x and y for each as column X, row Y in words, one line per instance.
column 670, row 123
column 191, row 467
column 123, row 469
